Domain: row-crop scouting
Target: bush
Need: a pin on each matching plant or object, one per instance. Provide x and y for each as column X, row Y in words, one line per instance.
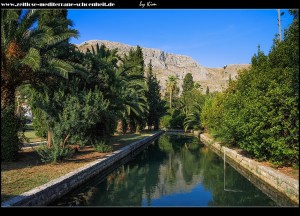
column 165, row 121
column 102, row 147
column 177, row 119
column 55, row 154
column 39, row 123
column 259, row 111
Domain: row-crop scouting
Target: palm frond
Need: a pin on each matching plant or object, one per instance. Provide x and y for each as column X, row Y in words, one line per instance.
column 60, row 67
column 53, row 41
column 37, row 37
column 79, row 69
column 9, row 20
column 27, row 22
column 32, row 59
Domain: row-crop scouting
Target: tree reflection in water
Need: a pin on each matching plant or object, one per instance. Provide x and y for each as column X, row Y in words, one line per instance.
column 167, row 172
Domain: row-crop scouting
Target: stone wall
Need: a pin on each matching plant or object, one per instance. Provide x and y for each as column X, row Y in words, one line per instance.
column 282, row 183
column 49, row 192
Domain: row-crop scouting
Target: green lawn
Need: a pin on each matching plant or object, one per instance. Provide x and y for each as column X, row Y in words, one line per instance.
column 130, row 138
column 32, row 137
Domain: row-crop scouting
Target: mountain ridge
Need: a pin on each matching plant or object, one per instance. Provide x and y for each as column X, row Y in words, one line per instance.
column 166, row 64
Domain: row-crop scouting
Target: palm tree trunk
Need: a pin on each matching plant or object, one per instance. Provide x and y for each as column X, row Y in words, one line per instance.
column 7, row 95
column 120, row 126
column 65, row 141
column 9, row 123
column 50, row 138
column 137, row 130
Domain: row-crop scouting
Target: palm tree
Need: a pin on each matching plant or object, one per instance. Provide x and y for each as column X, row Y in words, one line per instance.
column 28, row 52
column 132, row 102
column 109, row 56
column 171, row 85
column 133, row 89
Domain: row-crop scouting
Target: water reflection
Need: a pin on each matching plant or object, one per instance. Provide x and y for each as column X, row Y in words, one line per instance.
column 174, row 171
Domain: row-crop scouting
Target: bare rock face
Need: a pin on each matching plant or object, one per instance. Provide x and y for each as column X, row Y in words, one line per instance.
column 166, row 64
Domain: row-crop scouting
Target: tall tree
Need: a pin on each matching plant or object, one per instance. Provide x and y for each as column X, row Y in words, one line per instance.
column 207, row 90
column 135, row 61
column 188, row 83
column 171, row 85
column 155, row 104
column 134, row 65
column 27, row 56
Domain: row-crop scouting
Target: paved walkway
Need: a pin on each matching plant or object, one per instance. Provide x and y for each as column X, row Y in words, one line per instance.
column 32, row 145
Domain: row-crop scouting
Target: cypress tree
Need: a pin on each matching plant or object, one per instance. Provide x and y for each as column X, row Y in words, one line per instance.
column 188, row 83
column 156, row 108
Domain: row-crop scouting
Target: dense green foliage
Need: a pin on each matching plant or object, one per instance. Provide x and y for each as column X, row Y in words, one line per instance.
column 99, row 89
column 55, row 154
column 103, row 148
column 133, row 91
column 76, row 98
column 259, row 112
column 39, row 122
column 155, row 103
column 9, row 134
column 172, row 90
column 83, row 111
column 28, row 56
column 188, row 83
column 186, row 108
column 192, row 104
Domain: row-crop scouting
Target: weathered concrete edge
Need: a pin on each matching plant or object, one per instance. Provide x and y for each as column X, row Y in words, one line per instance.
column 283, row 183
column 56, row 188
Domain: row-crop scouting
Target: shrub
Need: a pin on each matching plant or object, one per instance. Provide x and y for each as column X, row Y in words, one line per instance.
column 102, row 147
column 259, row 111
column 165, row 121
column 54, row 154
column 177, row 119
column 39, row 122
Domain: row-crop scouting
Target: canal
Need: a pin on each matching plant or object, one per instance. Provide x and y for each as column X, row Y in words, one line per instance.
column 175, row 170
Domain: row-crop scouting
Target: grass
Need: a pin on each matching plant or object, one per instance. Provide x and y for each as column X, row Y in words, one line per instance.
column 30, row 134
column 29, row 172
column 32, row 137
column 125, row 139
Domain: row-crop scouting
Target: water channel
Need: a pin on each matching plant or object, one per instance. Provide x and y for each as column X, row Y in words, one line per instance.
column 175, row 170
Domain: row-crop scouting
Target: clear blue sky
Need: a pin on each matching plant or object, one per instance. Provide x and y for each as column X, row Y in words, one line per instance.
column 212, row 37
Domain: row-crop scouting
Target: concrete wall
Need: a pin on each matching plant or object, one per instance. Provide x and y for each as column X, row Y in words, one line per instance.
column 49, row 192
column 282, row 183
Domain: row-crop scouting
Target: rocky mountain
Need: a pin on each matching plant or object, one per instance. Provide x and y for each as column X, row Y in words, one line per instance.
column 165, row 64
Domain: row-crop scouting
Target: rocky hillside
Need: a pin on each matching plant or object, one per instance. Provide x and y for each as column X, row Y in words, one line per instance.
column 165, row 64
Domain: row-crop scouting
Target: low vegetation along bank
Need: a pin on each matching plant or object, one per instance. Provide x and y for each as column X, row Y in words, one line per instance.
column 29, row 172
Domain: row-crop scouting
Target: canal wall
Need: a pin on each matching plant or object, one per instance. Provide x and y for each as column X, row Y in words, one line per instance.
column 284, row 184
column 55, row 189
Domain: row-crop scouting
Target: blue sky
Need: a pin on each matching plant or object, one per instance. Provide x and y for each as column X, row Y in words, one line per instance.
column 212, row 37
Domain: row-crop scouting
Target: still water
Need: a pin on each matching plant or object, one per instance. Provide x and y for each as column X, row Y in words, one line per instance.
column 175, row 170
